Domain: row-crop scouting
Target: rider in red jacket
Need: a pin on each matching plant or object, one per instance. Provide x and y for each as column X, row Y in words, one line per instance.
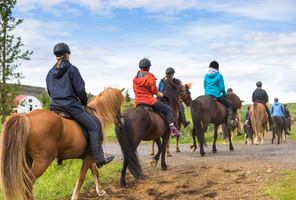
column 144, row 85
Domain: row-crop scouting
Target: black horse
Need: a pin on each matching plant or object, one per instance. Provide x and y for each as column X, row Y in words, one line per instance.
column 142, row 123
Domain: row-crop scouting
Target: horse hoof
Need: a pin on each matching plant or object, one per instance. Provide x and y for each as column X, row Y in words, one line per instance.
column 164, row 168
column 151, row 154
column 178, row 150
column 169, row 155
column 122, row 184
column 101, row 193
column 214, row 151
column 153, row 163
column 202, row 154
column 232, row 149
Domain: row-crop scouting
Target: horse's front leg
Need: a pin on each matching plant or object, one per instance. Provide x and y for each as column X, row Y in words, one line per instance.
column 156, row 157
column 215, row 138
column 99, row 189
column 86, row 164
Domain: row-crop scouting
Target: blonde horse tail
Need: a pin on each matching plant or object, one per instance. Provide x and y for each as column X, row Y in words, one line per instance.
column 14, row 179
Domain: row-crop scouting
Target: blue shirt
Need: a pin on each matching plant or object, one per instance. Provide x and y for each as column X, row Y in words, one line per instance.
column 161, row 86
column 277, row 109
column 214, row 84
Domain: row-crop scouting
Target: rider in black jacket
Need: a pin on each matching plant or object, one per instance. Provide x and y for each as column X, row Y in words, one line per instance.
column 260, row 96
column 66, row 89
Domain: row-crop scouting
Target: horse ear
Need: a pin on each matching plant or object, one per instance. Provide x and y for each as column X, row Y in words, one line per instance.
column 188, row 85
column 242, row 101
column 122, row 89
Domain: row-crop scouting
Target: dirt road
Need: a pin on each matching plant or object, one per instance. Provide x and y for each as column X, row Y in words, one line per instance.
column 224, row 175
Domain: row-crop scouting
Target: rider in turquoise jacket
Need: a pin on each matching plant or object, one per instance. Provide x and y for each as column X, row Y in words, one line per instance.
column 214, row 86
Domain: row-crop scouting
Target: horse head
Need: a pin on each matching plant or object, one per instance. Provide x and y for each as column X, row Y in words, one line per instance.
column 235, row 100
column 185, row 94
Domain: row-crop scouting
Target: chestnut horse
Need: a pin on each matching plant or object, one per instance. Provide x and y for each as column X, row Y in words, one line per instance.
column 141, row 123
column 258, row 117
column 206, row 110
column 30, row 142
column 184, row 96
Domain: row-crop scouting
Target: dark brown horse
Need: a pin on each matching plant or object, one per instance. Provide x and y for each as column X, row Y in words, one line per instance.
column 139, row 124
column 278, row 129
column 184, row 96
column 30, row 142
column 206, row 110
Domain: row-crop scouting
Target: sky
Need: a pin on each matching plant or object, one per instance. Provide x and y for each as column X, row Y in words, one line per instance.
column 252, row 40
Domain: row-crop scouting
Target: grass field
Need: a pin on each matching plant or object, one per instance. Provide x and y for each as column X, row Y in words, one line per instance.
column 48, row 186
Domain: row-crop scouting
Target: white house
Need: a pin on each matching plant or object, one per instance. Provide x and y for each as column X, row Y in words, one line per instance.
column 27, row 103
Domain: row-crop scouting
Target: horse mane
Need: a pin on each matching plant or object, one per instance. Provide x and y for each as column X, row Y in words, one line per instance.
column 178, row 82
column 107, row 105
column 236, row 102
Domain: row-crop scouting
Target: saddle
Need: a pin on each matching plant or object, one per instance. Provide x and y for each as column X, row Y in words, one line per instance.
column 147, row 107
column 63, row 113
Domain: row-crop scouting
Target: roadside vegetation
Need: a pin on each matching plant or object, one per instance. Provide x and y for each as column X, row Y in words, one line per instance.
column 48, row 186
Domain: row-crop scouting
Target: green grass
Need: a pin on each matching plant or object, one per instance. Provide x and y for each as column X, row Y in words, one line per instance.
column 58, row 182
column 283, row 187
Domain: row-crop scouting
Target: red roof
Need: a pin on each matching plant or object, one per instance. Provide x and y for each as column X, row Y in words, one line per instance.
column 18, row 99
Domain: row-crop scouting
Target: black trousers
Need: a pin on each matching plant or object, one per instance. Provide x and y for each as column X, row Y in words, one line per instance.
column 226, row 102
column 165, row 110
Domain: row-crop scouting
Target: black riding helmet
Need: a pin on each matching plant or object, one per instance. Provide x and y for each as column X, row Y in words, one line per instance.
column 259, row 84
column 276, row 99
column 144, row 63
column 170, row 70
column 214, row 64
column 60, row 49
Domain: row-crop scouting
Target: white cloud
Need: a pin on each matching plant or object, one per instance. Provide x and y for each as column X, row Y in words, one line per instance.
column 245, row 56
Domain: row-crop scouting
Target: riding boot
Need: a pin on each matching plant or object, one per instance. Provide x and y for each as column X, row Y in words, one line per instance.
column 174, row 131
column 230, row 118
column 97, row 150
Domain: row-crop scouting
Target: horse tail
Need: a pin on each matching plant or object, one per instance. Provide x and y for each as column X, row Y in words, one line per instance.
column 15, row 182
column 123, row 133
column 196, row 111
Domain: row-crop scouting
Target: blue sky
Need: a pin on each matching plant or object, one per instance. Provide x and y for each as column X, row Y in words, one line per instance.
column 252, row 40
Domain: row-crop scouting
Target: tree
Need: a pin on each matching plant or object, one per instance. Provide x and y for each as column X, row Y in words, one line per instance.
column 127, row 96
column 10, row 54
column 45, row 100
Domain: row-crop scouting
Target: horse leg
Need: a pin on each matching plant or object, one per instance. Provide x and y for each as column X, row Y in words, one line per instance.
column 193, row 147
column 38, row 168
column 177, row 144
column 156, row 157
column 230, row 139
column 86, row 163
column 215, row 138
column 123, row 172
column 152, row 148
column 165, row 139
column 99, row 189
column 168, row 148
column 200, row 137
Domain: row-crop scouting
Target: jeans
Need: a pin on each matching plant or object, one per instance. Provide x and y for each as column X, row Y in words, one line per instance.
column 93, row 129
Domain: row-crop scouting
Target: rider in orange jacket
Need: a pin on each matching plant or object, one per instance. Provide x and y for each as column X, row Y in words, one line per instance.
column 144, row 85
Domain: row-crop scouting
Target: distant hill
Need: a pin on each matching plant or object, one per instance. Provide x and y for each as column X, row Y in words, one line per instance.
column 32, row 90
